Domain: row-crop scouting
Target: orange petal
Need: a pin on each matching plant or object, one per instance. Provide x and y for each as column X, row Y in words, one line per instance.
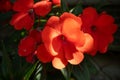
column 89, row 43
column 43, row 55
column 59, row 62
column 71, row 54
column 54, row 23
column 51, row 40
column 23, row 5
column 42, row 8
column 71, row 30
column 66, row 15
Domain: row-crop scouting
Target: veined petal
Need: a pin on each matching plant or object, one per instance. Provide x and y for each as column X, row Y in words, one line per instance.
column 23, row 5
column 43, row 55
column 71, row 30
column 51, row 40
column 42, row 8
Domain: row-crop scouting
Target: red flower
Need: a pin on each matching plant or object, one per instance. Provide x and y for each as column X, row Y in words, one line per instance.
column 27, row 46
column 100, row 26
column 42, row 8
column 5, row 5
column 36, row 35
column 25, row 16
column 56, row 2
column 64, row 40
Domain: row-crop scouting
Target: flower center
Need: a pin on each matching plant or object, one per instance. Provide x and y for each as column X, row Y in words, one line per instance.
column 93, row 28
column 31, row 13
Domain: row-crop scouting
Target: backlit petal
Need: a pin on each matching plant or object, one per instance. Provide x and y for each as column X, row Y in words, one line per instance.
column 52, row 43
column 54, row 22
column 89, row 43
column 71, row 30
column 59, row 62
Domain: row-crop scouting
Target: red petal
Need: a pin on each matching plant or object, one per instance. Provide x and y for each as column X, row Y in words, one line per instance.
column 72, row 55
column 42, row 8
column 23, row 5
column 22, row 20
column 36, row 35
column 104, row 41
column 30, row 59
column 43, row 55
column 27, row 46
column 56, row 2
column 52, row 43
column 88, row 16
column 71, row 30
column 106, row 22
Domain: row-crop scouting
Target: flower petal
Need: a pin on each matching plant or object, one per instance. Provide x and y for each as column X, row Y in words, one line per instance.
column 89, row 43
column 71, row 54
column 71, row 30
column 42, row 8
column 51, row 41
column 54, row 22
column 27, row 46
column 43, row 55
column 23, row 5
column 59, row 61
column 104, row 42
column 106, row 22
column 22, row 20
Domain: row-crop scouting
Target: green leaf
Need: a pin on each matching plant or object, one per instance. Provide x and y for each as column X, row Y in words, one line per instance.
column 78, row 9
column 64, row 6
column 6, row 63
column 67, row 72
column 81, row 72
column 30, row 71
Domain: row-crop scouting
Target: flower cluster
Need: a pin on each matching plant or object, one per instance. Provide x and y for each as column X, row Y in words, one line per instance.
column 65, row 38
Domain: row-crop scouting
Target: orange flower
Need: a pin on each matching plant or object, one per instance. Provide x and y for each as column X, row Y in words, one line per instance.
column 25, row 16
column 64, row 40
column 100, row 26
